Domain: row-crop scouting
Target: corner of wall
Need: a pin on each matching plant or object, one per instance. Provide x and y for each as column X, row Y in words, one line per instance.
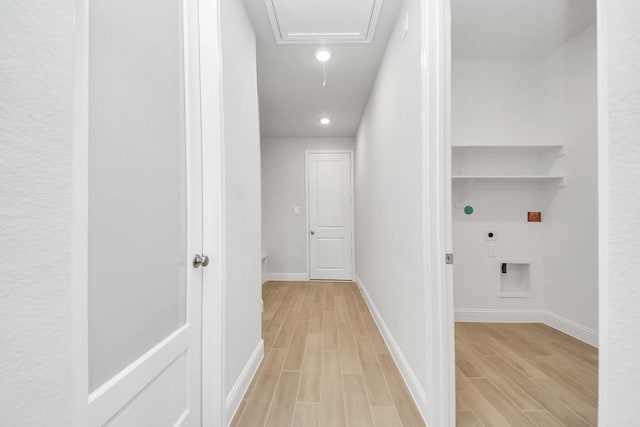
column 233, row 399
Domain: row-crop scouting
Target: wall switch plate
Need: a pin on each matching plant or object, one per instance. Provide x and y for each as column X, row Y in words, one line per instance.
column 405, row 26
column 491, row 251
column 296, row 210
column 534, row 216
column 490, row 236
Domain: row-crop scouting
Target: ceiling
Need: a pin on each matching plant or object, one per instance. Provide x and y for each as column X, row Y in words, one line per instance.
column 516, row 29
column 289, row 32
column 328, row 20
column 292, row 98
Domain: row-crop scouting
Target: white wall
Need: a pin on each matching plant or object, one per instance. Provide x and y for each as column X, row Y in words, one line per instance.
column 494, row 103
column 242, row 204
column 36, row 63
column 620, row 299
column 389, row 213
column 284, row 233
column 570, row 247
column 546, row 101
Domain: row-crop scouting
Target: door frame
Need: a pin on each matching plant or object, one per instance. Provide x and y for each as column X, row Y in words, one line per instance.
column 436, row 203
column 213, row 302
column 352, row 212
column 603, row 208
column 436, row 25
column 212, row 414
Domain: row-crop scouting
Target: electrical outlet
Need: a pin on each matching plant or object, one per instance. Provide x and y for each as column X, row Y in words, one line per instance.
column 490, row 236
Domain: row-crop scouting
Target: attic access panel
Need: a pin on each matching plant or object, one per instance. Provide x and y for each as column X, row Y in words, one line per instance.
column 313, row 21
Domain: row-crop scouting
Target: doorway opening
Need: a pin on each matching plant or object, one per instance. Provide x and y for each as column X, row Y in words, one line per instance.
column 328, row 353
column 524, row 147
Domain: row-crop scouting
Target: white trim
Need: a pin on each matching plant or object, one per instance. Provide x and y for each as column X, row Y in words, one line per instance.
column 411, row 380
column 572, row 328
column 353, row 204
column 80, row 219
column 603, row 212
column 318, row 38
column 213, row 228
column 242, row 383
column 287, row 277
column 500, row 315
column 111, row 397
column 435, row 56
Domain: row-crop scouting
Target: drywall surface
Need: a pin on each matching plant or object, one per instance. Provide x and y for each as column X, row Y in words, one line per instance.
column 284, row 232
column 242, row 206
column 36, row 63
column 569, row 250
column 495, row 103
column 388, row 181
column 551, row 100
column 620, row 375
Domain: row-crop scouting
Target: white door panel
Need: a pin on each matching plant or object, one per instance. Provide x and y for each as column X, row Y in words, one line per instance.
column 145, row 214
column 170, row 388
column 330, row 215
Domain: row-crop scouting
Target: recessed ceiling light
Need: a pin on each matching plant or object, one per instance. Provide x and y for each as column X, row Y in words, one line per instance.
column 323, row 55
column 325, row 121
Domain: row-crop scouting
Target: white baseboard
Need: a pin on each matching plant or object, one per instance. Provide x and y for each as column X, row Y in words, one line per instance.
column 242, row 383
column 497, row 315
column 572, row 328
column 287, row 277
column 409, row 376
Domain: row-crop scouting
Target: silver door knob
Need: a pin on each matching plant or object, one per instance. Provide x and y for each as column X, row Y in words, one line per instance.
column 313, row 232
column 200, row 261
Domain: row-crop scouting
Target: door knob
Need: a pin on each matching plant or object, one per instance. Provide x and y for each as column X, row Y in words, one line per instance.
column 200, row 261
column 313, row 232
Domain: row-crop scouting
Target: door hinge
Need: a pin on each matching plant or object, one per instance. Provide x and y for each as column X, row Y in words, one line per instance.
column 448, row 258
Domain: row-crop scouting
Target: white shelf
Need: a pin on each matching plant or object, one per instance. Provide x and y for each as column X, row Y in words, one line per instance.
column 505, row 167
column 532, row 178
column 540, row 148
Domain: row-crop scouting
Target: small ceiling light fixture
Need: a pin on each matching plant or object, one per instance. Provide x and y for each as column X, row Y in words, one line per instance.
column 325, row 121
column 323, row 55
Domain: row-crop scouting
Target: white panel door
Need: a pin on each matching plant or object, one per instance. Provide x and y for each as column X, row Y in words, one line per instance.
column 145, row 214
column 330, row 213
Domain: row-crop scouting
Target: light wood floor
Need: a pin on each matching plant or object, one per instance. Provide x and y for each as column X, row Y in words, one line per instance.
column 325, row 363
column 524, row 375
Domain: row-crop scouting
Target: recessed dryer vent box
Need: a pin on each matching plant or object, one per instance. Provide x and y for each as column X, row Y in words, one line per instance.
column 514, row 278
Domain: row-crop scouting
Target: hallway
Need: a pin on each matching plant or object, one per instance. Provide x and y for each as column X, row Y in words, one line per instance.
column 325, row 363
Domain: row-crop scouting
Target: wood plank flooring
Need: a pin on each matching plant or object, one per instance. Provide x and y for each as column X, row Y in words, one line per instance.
column 325, row 363
column 524, row 375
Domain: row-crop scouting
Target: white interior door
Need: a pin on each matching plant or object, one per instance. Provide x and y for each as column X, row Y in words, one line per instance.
column 330, row 210
column 145, row 214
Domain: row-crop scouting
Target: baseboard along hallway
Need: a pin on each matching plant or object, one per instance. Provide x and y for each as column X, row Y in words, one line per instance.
column 325, row 363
